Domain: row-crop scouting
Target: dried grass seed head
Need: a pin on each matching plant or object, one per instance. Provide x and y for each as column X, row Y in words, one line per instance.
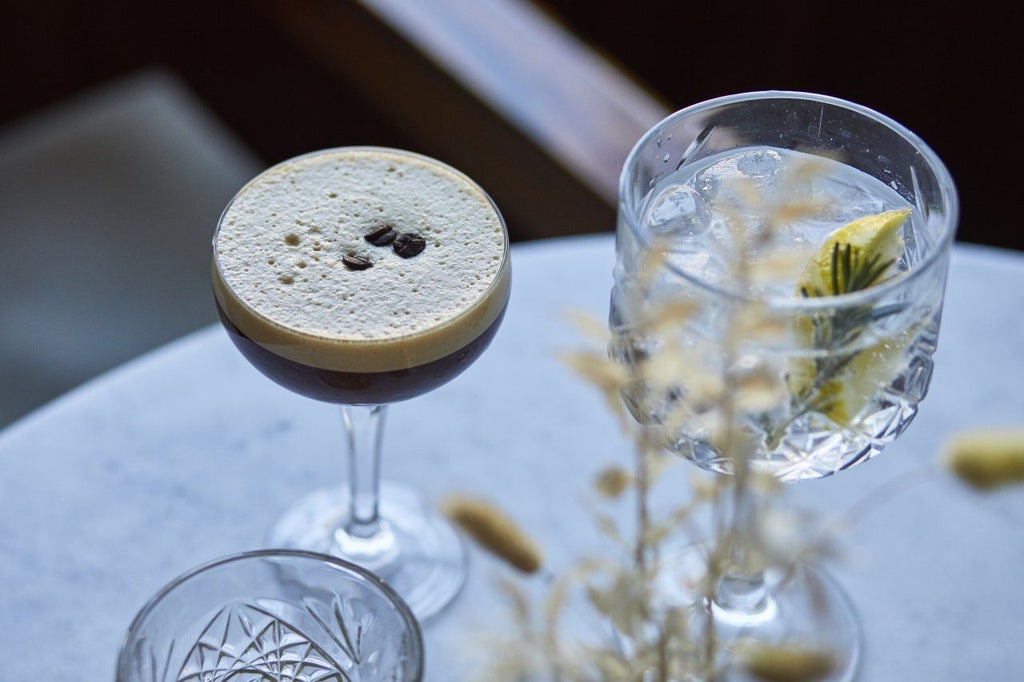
column 495, row 531
column 786, row 662
column 612, row 482
column 986, row 459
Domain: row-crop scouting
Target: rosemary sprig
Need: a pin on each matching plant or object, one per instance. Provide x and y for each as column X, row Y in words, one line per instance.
column 836, row 330
column 849, row 273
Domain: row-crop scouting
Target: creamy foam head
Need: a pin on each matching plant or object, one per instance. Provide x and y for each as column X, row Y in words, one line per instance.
column 280, row 278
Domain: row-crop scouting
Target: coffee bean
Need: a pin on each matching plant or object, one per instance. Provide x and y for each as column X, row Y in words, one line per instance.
column 356, row 262
column 382, row 236
column 408, row 244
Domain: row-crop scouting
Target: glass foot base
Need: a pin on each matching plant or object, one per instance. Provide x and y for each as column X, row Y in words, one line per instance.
column 416, row 551
column 804, row 611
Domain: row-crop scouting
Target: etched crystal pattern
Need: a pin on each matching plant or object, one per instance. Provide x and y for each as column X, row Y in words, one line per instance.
column 813, row 444
column 248, row 642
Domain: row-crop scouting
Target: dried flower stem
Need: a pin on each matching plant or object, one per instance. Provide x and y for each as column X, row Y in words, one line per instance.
column 728, row 557
column 643, row 513
column 656, row 379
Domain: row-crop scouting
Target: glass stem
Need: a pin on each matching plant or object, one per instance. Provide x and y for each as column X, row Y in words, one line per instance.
column 741, row 589
column 364, row 427
column 741, row 592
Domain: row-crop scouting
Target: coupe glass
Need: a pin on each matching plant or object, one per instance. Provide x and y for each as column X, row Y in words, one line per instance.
column 341, row 202
column 273, row 615
column 812, row 384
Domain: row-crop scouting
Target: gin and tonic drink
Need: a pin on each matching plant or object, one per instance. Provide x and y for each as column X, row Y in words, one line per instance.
column 824, row 263
column 781, row 263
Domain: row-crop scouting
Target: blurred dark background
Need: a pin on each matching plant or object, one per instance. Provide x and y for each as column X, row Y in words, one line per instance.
column 949, row 71
column 126, row 126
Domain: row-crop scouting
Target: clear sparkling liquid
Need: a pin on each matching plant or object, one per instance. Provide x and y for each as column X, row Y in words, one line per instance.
column 690, row 211
column 878, row 375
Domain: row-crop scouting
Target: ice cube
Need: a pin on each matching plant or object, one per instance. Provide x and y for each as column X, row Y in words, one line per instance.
column 841, row 202
column 677, row 212
column 761, row 164
column 731, row 178
column 701, row 264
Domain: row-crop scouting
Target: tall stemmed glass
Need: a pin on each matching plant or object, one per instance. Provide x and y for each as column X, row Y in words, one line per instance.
column 759, row 181
column 363, row 276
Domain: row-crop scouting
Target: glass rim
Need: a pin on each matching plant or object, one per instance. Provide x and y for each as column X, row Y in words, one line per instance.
column 403, row 609
column 503, row 266
column 947, row 187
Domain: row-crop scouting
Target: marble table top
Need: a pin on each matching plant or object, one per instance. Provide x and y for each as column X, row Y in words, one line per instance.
column 187, row 454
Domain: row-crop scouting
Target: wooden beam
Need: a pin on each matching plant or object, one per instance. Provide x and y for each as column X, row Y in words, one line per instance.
column 561, row 93
column 497, row 90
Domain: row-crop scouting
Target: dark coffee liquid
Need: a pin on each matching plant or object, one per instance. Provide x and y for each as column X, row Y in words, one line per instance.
column 359, row 388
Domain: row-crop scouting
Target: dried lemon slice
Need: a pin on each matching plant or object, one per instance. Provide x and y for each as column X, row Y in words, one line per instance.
column 842, row 396
column 854, row 257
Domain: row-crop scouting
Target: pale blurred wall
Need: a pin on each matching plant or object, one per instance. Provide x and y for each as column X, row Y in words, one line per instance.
column 108, row 202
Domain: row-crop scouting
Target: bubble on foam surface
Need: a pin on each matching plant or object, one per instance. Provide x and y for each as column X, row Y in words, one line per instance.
column 291, row 227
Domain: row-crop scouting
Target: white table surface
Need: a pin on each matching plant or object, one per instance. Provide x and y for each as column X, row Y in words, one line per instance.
column 187, row 454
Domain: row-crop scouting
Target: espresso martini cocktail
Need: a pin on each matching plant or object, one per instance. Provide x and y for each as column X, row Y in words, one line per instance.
column 361, row 276
column 364, row 276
